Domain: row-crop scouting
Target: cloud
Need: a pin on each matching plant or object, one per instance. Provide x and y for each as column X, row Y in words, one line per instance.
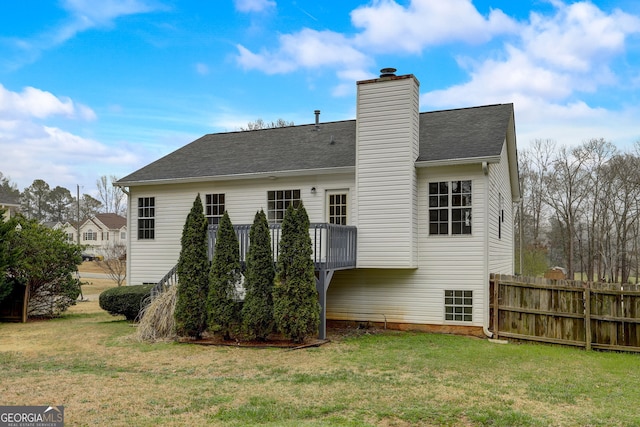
column 202, row 69
column 548, row 71
column 36, row 103
column 306, row 49
column 253, row 5
column 387, row 27
column 578, row 36
column 83, row 15
column 390, row 27
column 32, row 148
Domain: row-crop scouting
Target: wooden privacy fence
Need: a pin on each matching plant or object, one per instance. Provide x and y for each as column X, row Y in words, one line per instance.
column 586, row 314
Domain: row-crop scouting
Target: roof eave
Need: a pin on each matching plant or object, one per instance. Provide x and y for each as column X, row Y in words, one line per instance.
column 253, row 175
column 456, row 162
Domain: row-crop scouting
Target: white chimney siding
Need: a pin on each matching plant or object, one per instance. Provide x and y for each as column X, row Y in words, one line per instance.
column 386, row 186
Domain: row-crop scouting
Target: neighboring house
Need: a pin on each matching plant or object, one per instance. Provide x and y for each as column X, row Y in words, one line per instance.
column 66, row 227
column 430, row 196
column 102, row 231
column 10, row 203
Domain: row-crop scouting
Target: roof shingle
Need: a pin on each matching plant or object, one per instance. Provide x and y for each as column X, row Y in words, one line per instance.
column 444, row 135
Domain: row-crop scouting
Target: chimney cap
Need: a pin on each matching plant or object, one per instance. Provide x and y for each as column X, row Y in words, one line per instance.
column 388, row 72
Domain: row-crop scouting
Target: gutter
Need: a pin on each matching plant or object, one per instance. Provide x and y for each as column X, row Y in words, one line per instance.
column 487, row 302
column 252, row 175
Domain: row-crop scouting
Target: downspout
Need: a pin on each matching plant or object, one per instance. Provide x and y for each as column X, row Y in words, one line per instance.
column 128, row 272
column 487, row 302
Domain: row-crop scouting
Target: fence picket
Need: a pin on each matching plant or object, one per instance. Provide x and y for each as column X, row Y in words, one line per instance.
column 589, row 314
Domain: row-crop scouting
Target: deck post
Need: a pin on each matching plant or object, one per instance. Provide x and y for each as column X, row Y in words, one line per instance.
column 322, row 284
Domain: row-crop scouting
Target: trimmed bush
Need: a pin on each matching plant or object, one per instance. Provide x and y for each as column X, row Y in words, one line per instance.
column 224, row 302
column 124, row 300
column 193, row 275
column 257, row 311
column 295, row 300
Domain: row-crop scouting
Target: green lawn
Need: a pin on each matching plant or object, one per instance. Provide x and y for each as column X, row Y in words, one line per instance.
column 86, row 362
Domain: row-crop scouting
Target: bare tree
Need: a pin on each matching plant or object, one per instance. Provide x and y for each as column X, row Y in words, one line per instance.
column 114, row 263
column 261, row 124
column 567, row 191
column 111, row 197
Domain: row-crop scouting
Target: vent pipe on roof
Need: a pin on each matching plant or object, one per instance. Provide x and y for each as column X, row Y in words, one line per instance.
column 388, row 72
column 317, row 113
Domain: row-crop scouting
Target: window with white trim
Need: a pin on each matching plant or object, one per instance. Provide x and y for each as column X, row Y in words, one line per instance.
column 458, row 305
column 214, row 207
column 90, row 235
column 450, row 207
column 279, row 201
column 337, row 208
column 146, row 218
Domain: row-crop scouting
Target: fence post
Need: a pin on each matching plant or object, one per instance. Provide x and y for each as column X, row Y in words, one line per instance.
column 587, row 316
column 496, row 286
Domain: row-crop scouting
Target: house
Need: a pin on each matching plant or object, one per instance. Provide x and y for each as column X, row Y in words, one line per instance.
column 68, row 229
column 101, row 232
column 424, row 202
column 9, row 203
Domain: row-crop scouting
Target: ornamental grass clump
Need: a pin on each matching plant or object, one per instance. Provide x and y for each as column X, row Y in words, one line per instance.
column 157, row 322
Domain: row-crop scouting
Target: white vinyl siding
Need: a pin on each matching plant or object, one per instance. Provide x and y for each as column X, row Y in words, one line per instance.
column 501, row 239
column 444, row 263
column 387, row 147
column 150, row 260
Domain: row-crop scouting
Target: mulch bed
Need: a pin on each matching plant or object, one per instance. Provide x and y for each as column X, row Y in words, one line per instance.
column 272, row 342
column 277, row 341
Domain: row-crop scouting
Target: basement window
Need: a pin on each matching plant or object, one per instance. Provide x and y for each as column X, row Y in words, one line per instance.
column 458, row 305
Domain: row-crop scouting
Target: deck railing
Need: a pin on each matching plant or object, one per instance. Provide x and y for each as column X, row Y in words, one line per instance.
column 334, row 248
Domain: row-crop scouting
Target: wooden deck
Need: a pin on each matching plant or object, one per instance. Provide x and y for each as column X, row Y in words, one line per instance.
column 334, row 248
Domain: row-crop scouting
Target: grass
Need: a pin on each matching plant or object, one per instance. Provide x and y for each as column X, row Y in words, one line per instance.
column 88, row 362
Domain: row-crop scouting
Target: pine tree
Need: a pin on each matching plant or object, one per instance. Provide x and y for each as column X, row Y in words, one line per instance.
column 296, row 309
column 193, row 275
column 223, row 303
column 257, row 311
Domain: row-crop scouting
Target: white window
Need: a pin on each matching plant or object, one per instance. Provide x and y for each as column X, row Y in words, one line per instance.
column 458, row 305
column 214, row 207
column 146, row 218
column 279, row 201
column 450, row 207
column 90, row 235
column 337, row 206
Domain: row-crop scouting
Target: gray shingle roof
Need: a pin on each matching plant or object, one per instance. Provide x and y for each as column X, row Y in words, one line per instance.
column 9, row 197
column 444, row 135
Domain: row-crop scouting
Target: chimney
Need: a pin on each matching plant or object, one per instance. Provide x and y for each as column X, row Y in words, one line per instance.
column 388, row 72
column 317, row 113
column 387, row 146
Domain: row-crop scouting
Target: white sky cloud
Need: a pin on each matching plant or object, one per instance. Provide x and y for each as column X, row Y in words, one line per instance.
column 578, row 37
column 31, row 148
column 305, row 49
column 83, row 15
column 253, row 5
column 389, row 27
column 547, row 71
column 32, row 102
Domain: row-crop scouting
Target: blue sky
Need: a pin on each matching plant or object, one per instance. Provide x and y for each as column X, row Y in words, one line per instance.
column 91, row 88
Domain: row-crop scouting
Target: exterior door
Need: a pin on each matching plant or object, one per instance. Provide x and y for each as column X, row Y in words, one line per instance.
column 337, row 207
